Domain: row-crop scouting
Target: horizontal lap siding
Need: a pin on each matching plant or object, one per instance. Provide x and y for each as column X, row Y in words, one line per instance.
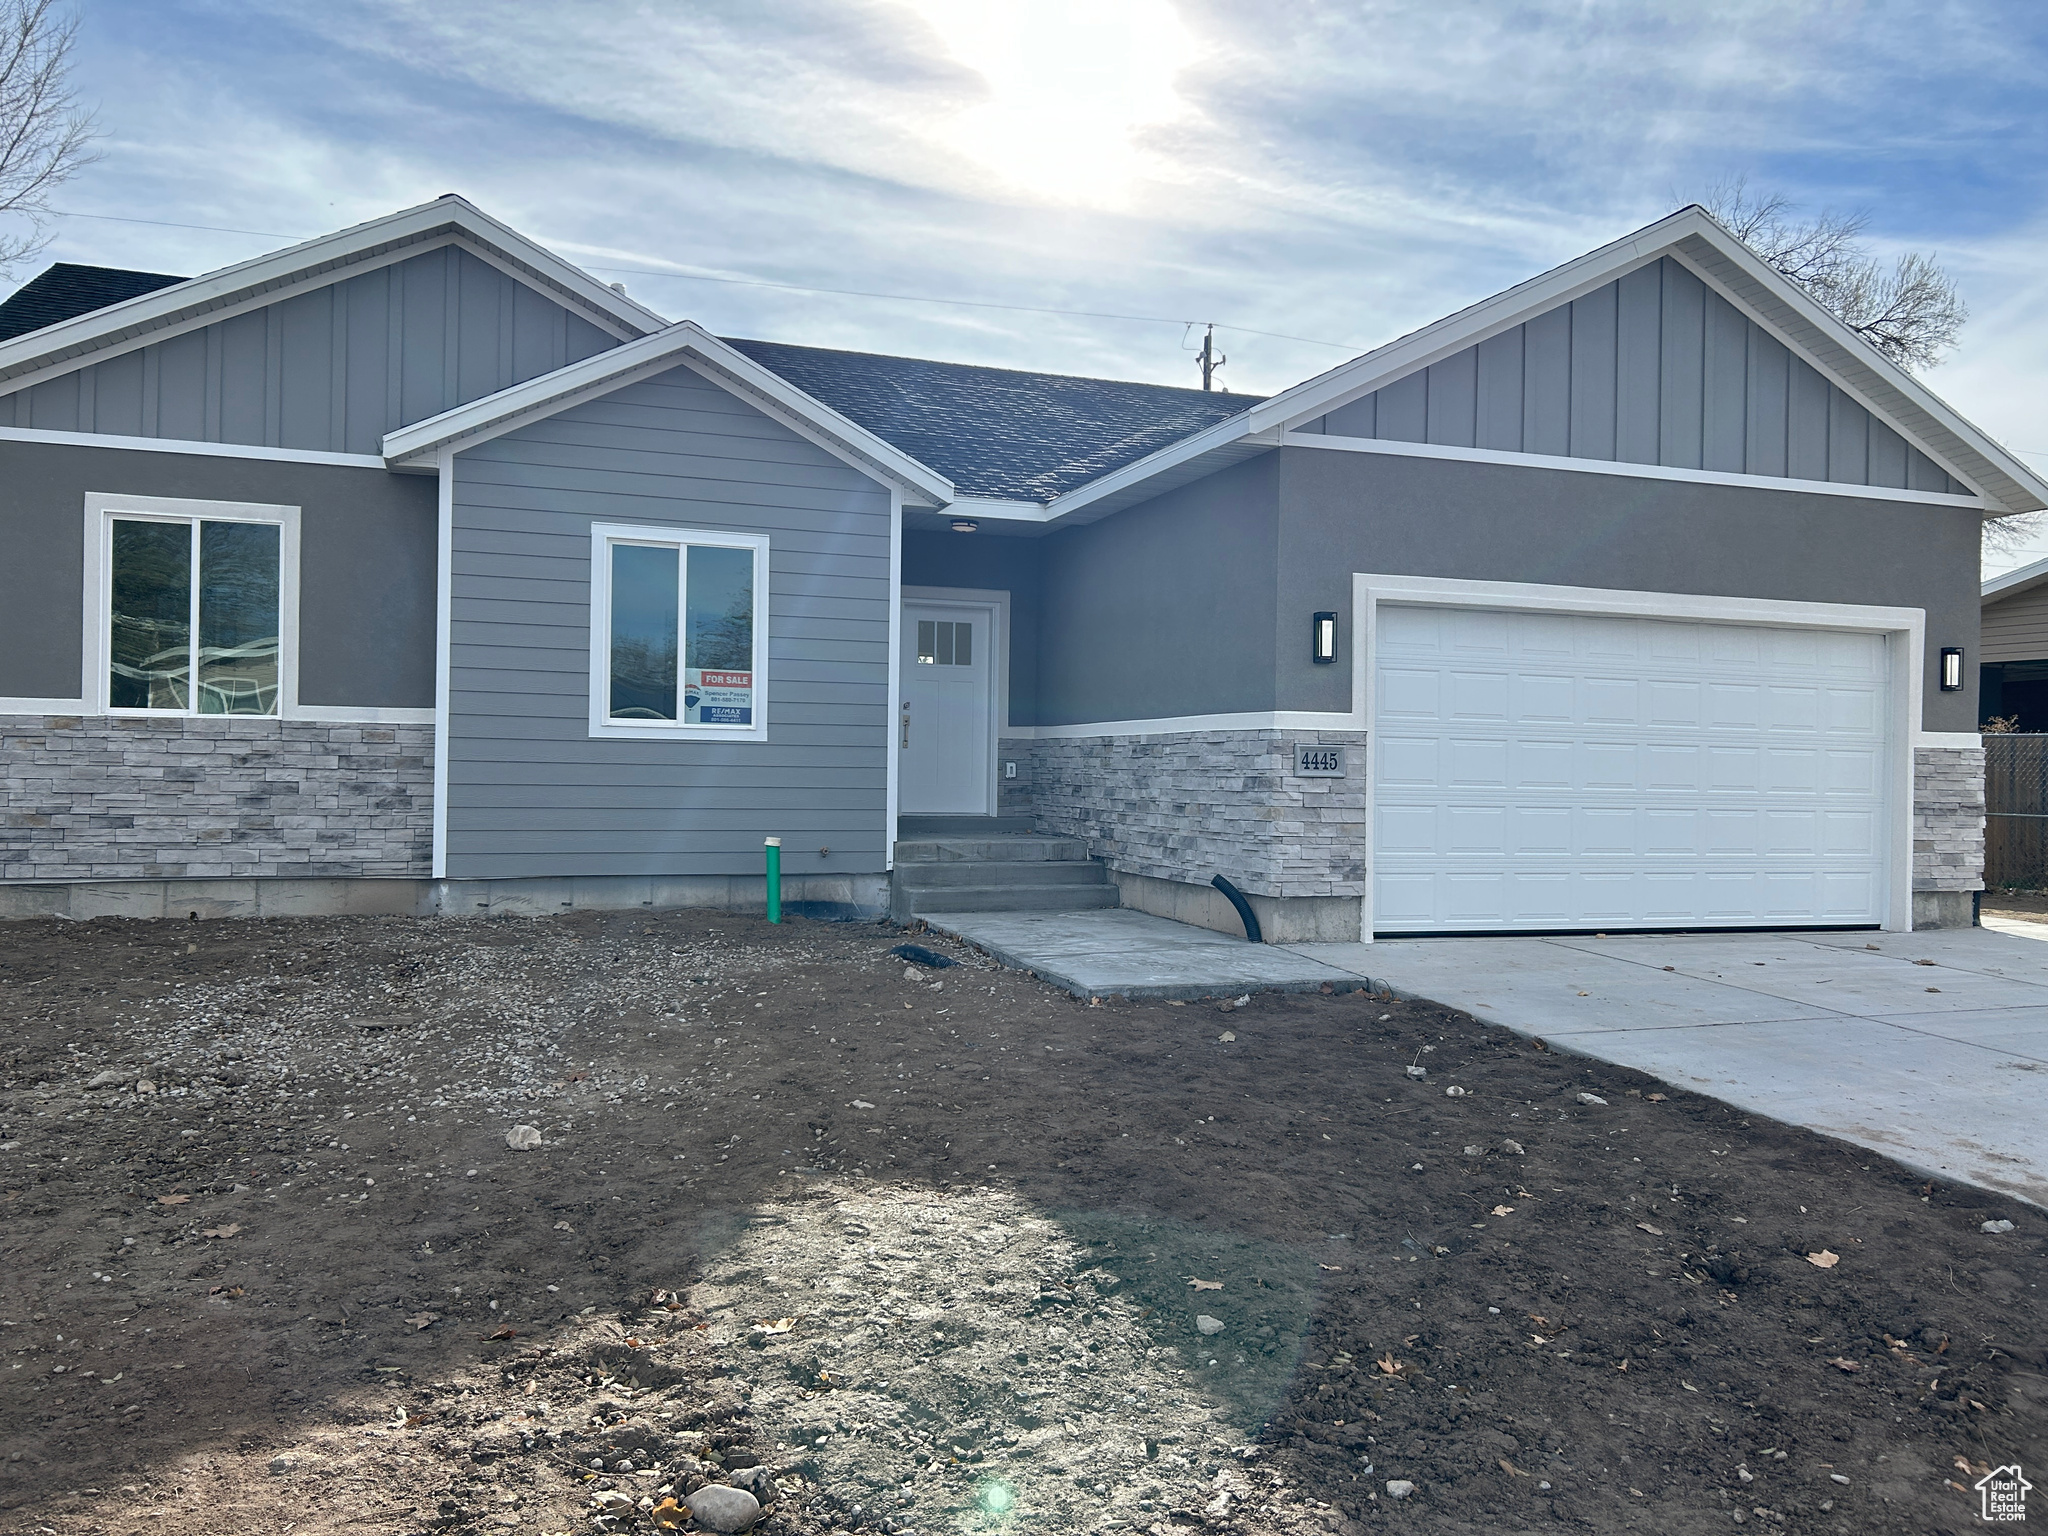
column 331, row 369
column 1653, row 368
column 530, row 793
column 2016, row 629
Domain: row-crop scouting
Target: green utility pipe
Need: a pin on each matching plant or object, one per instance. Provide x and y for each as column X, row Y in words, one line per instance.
column 774, row 847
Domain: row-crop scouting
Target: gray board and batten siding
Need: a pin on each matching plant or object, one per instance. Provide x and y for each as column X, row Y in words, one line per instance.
column 1653, row 368
column 330, row 369
column 366, row 565
column 529, row 792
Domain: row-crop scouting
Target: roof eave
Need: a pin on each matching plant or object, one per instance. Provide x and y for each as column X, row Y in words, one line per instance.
column 1699, row 242
column 41, row 350
column 686, row 343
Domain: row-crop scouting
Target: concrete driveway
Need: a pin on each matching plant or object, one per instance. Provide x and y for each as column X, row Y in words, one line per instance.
column 1930, row 1048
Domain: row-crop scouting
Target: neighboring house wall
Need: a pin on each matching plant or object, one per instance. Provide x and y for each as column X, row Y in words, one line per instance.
column 529, row 792
column 1654, row 368
column 2016, row 628
column 332, row 368
column 366, row 589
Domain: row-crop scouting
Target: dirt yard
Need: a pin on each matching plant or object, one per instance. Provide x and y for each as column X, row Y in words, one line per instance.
column 944, row 1253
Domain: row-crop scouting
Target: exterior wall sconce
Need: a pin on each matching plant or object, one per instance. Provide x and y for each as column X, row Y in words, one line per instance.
column 965, row 525
column 1325, row 638
column 1951, row 668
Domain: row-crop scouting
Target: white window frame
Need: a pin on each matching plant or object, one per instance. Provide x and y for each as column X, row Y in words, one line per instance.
column 602, row 537
column 101, row 510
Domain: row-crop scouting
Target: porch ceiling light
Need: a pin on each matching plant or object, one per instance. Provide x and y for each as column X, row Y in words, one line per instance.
column 1325, row 641
column 1951, row 668
column 966, row 525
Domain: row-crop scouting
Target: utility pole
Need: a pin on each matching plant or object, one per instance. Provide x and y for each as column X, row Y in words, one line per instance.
column 1208, row 358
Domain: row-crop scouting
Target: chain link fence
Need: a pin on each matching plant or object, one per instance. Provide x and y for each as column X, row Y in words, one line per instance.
column 2016, row 812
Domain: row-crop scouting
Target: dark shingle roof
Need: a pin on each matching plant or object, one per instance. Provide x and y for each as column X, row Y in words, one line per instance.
column 66, row 290
column 998, row 431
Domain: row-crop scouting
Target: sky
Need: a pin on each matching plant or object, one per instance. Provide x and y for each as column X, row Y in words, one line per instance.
column 1313, row 176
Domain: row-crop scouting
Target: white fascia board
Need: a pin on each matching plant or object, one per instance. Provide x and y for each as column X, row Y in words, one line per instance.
column 684, row 344
column 263, row 279
column 2014, row 582
column 184, row 445
column 1000, row 509
column 1398, row 448
column 1887, row 377
column 1503, row 311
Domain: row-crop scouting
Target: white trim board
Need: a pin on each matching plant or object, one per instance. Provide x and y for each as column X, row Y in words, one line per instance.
column 444, row 606
column 1904, row 629
column 1188, row 725
column 891, row 790
column 1949, row 741
column 1409, row 450
column 186, row 445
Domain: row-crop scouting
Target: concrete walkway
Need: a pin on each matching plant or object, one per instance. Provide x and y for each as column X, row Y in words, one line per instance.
column 1093, row 954
column 1931, row 1048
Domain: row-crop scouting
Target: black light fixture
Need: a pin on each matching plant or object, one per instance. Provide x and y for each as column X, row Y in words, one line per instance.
column 965, row 525
column 1325, row 649
column 1951, row 668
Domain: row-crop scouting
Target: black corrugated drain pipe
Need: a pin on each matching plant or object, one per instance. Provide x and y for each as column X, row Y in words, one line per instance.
column 1244, row 909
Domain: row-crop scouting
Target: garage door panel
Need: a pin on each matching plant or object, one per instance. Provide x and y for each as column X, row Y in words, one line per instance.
column 1407, row 694
column 1671, row 775
column 1470, row 695
column 1408, row 761
column 1541, row 698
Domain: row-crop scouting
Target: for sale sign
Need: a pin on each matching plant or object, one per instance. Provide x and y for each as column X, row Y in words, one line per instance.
column 717, row 698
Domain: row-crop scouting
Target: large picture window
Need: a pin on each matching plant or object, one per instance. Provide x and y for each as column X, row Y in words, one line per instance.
column 193, row 609
column 676, row 633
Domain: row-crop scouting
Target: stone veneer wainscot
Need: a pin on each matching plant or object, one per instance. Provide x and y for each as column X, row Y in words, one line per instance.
column 120, row 798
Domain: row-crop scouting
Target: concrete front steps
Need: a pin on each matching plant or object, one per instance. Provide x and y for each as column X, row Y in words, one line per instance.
column 991, row 864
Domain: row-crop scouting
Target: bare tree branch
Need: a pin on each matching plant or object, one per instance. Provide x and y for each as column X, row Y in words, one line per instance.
column 45, row 137
column 2009, row 535
column 1911, row 313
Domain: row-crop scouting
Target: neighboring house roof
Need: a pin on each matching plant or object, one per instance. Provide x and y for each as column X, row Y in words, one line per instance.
column 2013, row 583
column 998, row 432
column 67, row 290
column 71, row 343
column 1691, row 236
column 684, row 344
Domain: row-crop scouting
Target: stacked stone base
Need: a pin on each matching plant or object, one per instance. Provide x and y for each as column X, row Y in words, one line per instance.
column 1948, row 835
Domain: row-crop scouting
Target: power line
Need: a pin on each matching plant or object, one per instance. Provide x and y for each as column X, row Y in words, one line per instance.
column 756, row 282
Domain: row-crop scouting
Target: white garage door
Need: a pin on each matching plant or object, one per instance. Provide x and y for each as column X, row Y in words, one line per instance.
column 1537, row 770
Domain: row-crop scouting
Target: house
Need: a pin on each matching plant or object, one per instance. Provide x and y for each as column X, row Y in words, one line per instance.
column 2013, row 650
column 413, row 569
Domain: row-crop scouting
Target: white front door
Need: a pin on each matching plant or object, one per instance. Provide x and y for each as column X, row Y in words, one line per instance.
column 945, row 726
column 1542, row 770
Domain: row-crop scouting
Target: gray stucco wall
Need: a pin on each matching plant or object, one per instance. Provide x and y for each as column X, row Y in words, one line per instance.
column 366, row 565
column 530, row 793
column 333, row 368
column 1346, row 512
column 1653, row 368
column 988, row 563
column 1164, row 609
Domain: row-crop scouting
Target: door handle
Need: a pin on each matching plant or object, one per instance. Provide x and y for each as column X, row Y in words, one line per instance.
column 906, row 725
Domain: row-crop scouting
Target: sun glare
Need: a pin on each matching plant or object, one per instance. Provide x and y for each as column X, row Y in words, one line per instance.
column 1072, row 85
